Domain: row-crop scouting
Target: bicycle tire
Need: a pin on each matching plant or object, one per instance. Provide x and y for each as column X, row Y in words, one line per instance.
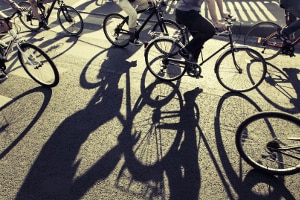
column 27, row 18
column 257, row 141
column 251, row 73
column 259, row 36
column 115, row 28
column 38, row 65
column 70, row 20
column 173, row 30
column 156, row 55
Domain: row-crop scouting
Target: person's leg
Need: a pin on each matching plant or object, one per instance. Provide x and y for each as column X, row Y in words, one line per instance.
column 3, row 29
column 294, row 26
column 200, row 28
column 35, row 12
column 3, row 25
column 131, row 12
column 141, row 4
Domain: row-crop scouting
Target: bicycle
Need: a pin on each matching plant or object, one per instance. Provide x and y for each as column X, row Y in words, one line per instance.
column 265, row 38
column 37, row 64
column 238, row 69
column 68, row 17
column 270, row 142
column 115, row 26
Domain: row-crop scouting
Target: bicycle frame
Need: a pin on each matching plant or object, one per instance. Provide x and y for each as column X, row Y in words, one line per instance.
column 47, row 15
column 230, row 43
column 14, row 39
column 155, row 11
column 275, row 44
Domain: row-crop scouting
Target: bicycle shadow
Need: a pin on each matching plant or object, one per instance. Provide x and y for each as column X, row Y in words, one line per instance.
column 55, row 44
column 171, row 139
column 12, row 114
column 281, row 88
column 241, row 179
column 53, row 173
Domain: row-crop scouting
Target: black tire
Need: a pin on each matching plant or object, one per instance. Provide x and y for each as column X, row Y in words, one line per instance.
column 115, row 28
column 27, row 18
column 38, row 65
column 156, row 56
column 251, row 70
column 70, row 20
column 173, row 30
column 260, row 137
column 262, row 34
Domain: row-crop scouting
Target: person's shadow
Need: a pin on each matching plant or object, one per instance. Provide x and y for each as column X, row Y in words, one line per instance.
column 52, row 175
column 186, row 185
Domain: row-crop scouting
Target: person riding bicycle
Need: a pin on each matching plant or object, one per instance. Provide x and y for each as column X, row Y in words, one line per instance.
column 188, row 13
column 3, row 29
column 131, row 7
column 35, row 12
column 293, row 7
column 3, row 26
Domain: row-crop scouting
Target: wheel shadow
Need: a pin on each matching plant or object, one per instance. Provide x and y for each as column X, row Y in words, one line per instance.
column 242, row 178
column 281, row 88
column 13, row 115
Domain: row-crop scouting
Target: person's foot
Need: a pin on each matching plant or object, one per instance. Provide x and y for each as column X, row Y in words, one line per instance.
column 187, row 56
column 284, row 37
column 3, row 76
column 136, row 42
column 44, row 25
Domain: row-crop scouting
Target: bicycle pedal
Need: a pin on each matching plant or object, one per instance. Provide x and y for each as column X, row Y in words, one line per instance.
column 199, row 76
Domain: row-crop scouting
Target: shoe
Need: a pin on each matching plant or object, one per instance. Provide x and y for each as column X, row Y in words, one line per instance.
column 3, row 76
column 284, row 37
column 136, row 42
column 44, row 25
column 187, row 56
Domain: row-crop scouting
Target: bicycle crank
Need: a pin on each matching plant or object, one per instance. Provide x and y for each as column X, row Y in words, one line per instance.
column 194, row 70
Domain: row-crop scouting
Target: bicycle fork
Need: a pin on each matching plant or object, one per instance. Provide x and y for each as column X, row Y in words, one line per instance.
column 30, row 58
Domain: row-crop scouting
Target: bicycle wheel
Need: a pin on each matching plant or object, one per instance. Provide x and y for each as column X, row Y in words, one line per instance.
column 270, row 142
column 156, row 56
column 263, row 37
column 27, row 18
column 38, row 65
column 172, row 29
column 116, row 29
column 241, row 70
column 70, row 20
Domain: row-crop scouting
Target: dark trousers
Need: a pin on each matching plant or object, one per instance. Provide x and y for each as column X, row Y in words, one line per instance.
column 200, row 28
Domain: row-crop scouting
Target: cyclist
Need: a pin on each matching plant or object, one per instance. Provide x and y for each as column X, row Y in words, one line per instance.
column 293, row 7
column 188, row 13
column 35, row 12
column 131, row 7
column 3, row 29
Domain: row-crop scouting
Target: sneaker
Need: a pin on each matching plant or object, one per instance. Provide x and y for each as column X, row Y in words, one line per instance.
column 136, row 42
column 44, row 25
column 3, row 76
column 187, row 56
column 284, row 37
